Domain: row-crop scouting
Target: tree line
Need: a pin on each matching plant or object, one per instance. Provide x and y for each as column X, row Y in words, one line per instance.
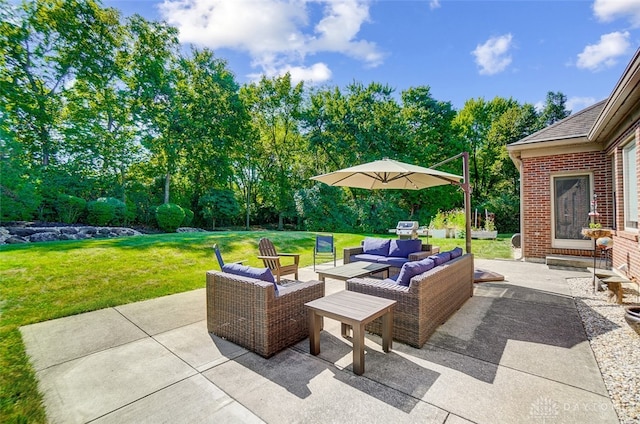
column 107, row 109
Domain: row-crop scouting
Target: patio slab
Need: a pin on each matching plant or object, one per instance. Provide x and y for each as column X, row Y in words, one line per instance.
column 56, row 341
column 87, row 388
column 165, row 313
column 515, row 352
column 194, row 400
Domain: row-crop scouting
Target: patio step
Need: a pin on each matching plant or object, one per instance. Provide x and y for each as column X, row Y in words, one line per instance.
column 565, row 261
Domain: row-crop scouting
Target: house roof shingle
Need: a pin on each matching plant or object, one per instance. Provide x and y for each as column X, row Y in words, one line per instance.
column 573, row 126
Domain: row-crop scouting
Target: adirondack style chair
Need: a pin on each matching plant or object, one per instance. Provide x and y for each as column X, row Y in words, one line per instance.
column 271, row 260
column 216, row 250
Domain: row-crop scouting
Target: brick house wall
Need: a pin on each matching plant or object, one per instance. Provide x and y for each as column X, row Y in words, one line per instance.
column 536, row 198
column 626, row 247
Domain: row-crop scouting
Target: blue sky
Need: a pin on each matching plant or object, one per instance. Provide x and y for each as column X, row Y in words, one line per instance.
column 461, row 49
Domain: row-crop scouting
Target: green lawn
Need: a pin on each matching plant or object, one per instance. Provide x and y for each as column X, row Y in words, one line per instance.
column 43, row 281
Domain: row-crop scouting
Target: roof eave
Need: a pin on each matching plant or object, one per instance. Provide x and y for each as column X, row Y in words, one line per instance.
column 620, row 102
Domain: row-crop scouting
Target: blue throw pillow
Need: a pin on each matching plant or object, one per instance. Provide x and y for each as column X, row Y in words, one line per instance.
column 413, row 268
column 263, row 274
column 456, row 253
column 441, row 258
column 403, row 248
column 376, row 246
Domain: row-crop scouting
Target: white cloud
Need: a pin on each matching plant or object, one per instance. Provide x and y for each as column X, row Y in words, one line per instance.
column 316, row 73
column 576, row 104
column 493, row 56
column 277, row 34
column 434, row 4
column 608, row 10
column 604, row 54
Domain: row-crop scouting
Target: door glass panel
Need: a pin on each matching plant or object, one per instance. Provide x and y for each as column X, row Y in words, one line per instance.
column 572, row 201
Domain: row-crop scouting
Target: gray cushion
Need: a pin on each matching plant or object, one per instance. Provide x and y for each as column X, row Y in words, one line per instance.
column 456, row 253
column 376, row 246
column 413, row 268
column 403, row 248
column 440, row 258
column 263, row 274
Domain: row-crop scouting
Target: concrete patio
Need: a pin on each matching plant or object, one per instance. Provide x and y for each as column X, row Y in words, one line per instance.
column 515, row 352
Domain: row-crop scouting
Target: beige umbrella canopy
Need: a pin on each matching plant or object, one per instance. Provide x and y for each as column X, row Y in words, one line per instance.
column 391, row 174
column 388, row 174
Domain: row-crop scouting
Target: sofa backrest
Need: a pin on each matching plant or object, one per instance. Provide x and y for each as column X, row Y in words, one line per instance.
column 457, row 262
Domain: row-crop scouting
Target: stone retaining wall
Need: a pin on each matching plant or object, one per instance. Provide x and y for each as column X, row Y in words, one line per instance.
column 17, row 235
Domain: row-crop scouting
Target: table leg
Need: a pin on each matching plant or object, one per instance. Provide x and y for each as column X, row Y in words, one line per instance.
column 315, row 322
column 358, row 349
column 346, row 329
column 387, row 331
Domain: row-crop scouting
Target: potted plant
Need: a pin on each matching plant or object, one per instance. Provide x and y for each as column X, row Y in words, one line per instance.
column 488, row 231
column 437, row 226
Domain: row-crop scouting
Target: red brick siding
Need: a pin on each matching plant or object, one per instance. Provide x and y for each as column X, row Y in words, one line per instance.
column 536, row 198
column 626, row 250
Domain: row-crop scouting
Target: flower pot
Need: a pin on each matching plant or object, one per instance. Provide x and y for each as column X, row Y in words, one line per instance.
column 484, row 234
column 632, row 316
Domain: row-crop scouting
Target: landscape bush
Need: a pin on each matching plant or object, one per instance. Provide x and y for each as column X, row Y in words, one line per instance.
column 169, row 217
column 119, row 208
column 188, row 217
column 70, row 208
column 100, row 213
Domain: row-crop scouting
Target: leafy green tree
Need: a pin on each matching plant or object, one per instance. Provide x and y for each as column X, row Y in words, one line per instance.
column 275, row 105
column 48, row 45
column 555, row 109
column 220, row 205
column 153, row 53
column 216, row 122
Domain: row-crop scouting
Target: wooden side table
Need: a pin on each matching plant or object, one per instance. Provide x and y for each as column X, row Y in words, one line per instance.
column 353, row 310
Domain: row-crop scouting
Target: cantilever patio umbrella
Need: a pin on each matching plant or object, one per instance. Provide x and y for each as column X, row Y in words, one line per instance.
column 391, row 174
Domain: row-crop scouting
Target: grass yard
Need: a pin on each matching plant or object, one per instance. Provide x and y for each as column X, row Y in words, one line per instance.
column 44, row 281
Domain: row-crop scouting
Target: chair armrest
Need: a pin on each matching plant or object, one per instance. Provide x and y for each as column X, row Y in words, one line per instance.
column 295, row 256
column 302, row 286
column 273, row 258
column 349, row 251
column 416, row 256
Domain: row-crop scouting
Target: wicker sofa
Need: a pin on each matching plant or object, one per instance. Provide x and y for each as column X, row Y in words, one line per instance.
column 359, row 253
column 429, row 300
column 247, row 311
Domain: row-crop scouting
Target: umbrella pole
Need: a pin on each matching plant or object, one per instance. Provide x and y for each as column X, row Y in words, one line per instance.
column 466, row 187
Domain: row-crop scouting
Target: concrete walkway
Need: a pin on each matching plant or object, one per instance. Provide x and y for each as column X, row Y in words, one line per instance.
column 514, row 353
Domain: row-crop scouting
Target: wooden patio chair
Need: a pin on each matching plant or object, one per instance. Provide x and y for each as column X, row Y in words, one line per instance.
column 271, row 260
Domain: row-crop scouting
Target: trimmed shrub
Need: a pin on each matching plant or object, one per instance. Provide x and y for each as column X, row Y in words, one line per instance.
column 119, row 207
column 188, row 217
column 70, row 208
column 169, row 217
column 100, row 213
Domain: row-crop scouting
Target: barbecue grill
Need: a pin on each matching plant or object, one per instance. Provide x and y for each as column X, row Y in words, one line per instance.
column 407, row 230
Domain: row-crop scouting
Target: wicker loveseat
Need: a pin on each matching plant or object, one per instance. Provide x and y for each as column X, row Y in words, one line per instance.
column 429, row 300
column 248, row 312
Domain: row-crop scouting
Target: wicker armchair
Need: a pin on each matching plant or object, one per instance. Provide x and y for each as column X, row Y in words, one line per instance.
column 247, row 311
column 430, row 299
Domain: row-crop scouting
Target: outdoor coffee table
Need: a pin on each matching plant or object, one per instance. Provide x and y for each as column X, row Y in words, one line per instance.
column 353, row 270
column 353, row 310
